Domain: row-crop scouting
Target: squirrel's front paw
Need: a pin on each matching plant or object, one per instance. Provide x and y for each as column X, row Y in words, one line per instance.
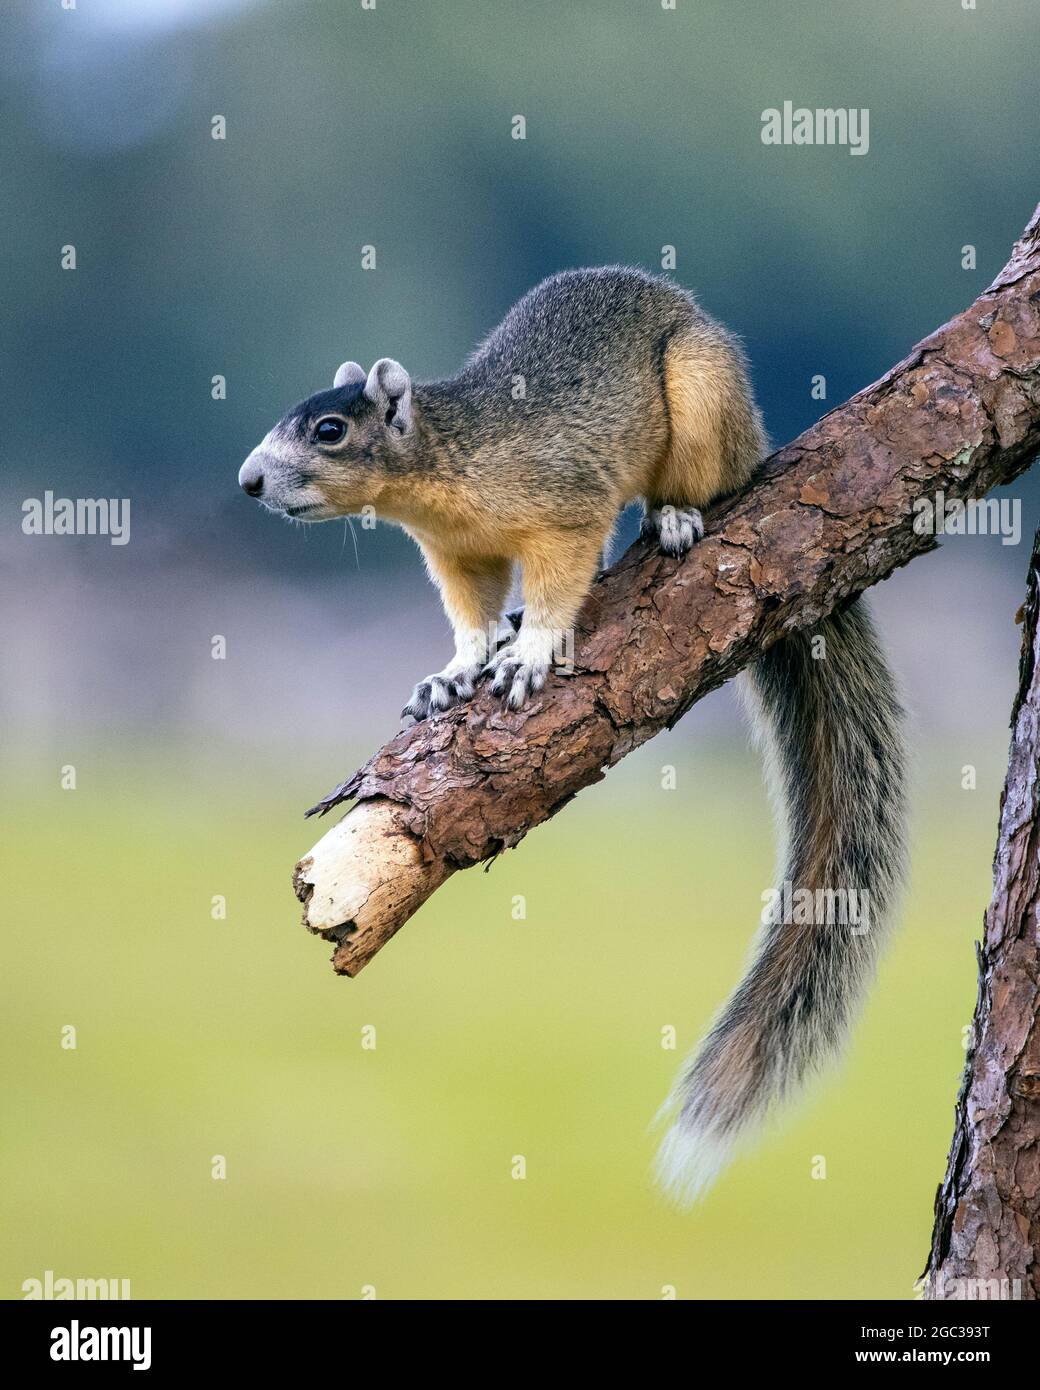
column 441, row 691
column 513, row 676
column 675, row 529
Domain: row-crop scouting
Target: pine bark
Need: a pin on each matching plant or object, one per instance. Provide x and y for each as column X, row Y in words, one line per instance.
column 986, row 1240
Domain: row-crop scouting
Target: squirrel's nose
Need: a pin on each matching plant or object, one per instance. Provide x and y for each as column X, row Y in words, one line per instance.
column 251, row 477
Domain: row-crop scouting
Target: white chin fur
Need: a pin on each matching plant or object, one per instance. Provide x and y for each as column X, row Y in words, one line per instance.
column 689, row 1161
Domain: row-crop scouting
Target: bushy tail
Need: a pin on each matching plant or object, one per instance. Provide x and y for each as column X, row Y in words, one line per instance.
column 833, row 733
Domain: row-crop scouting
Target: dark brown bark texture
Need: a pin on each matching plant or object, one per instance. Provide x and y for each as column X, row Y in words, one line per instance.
column 986, row 1241
column 829, row 515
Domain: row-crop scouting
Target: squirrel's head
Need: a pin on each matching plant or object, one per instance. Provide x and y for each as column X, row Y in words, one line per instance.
column 336, row 452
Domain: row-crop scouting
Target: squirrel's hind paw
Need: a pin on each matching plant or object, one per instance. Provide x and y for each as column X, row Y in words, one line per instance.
column 440, row 692
column 675, row 529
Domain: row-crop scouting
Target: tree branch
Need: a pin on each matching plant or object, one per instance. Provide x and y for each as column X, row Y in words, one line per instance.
column 986, row 1241
column 829, row 515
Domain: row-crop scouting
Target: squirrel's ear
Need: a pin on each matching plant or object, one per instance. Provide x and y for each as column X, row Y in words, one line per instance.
column 348, row 375
column 390, row 387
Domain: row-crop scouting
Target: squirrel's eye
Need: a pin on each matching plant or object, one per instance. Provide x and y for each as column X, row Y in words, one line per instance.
column 329, row 431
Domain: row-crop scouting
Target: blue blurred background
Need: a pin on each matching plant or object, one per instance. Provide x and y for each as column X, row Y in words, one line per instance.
column 241, row 258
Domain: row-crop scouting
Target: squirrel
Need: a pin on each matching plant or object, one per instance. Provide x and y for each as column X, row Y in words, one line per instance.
column 601, row 387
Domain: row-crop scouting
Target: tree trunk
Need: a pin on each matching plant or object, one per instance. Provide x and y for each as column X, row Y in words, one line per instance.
column 986, row 1241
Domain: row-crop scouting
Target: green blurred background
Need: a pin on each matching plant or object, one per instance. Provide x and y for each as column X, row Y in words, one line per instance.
column 392, row 1168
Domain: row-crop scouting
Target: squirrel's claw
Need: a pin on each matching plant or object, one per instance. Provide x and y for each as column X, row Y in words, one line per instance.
column 675, row 529
column 513, row 679
column 440, row 692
